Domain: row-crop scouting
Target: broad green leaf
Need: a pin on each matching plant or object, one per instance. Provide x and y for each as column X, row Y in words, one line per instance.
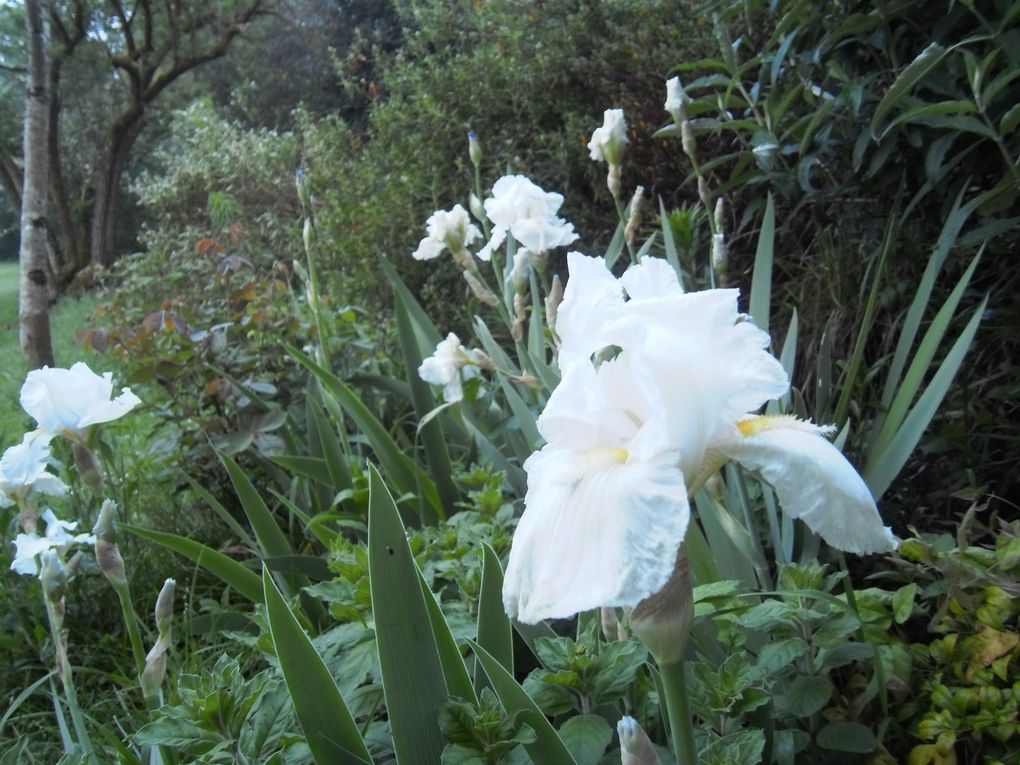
column 329, row 442
column 548, row 748
column 314, row 468
column 524, row 416
column 806, row 695
column 586, row 736
column 914, row 72
column 227, row 569
column 329, row 728
column 880, row 473
column 412, row 675
column 761, row 281
column 427, row 334
column 923, row 111
column 843, row 736
column 495, row 633
column 903, row 602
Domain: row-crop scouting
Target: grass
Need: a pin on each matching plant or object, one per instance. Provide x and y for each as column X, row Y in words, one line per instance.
column 67, row 318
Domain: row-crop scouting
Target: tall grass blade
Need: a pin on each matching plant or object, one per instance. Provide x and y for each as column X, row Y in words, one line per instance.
column 921, row 363
column 412, row 676
column 226, row 569
column 399, row 468
column 884, row 468
column 761, row 280
column 458, row 681
column 329, row 728
column 668, row 243
column 431, row 432
column 915, row 314
column 272, row 541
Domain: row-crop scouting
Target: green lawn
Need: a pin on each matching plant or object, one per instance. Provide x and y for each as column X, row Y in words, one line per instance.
column 68, row 317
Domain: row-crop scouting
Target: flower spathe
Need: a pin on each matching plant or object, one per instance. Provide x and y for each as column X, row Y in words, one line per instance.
column 23, row 473
column 71, row 402
column 657, row 388
column 452, row 230
column 607, row 142
column 521, row 208
column 29, row 546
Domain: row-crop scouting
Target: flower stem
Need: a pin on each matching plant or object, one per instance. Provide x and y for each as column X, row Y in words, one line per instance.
column 674, row 685
column 66, row 678
column 131, row 623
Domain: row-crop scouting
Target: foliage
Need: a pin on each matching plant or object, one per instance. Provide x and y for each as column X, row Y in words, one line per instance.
column 967, row 706
column 845, row 114
column 487, row 67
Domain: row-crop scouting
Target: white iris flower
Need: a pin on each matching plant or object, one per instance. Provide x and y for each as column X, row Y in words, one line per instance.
column 23, row 471
column 452, row 230
column 520, row 207
column 607, row 142
column 71, row 402
column 444, row 367
column 656, row 393
column 29, row 546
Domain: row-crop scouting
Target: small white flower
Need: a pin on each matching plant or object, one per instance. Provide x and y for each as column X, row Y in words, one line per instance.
column 23, row 471
column 608, row 141
column 627, row 433
column 527, row 212
column 452, row 230
column 444, row 367
column 29, row 546
column 70, row 402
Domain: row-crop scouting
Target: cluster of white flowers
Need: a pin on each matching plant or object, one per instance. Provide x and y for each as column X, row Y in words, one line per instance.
column 607, row 503
column 70, row 403
column 518, row 208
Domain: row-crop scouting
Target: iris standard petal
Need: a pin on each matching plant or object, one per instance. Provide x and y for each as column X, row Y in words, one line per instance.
column 597, row 530
column 592, row 294
column 651, row 278
column 813, row 480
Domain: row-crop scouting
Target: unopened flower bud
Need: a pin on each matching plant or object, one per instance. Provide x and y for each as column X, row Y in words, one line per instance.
column 520, row 318
column 477, row 208
column 301, row 182
column 720, row 214
column 164, row 611
column 474, row 148
column 307, row 234
column 107, row 554
column 88, row 467
column 635, row 746
column 634, row 219
column 687, row 140
column 720, row 253
column 152, row 676
column 482, row 292
column 482, row 360
column 676, row 100
column 552, row 302
column 53, row 576
column 663, row 621
column 527, row 379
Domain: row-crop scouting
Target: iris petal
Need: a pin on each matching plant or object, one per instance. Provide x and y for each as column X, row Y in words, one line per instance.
column 814, row 482
column 597, row 531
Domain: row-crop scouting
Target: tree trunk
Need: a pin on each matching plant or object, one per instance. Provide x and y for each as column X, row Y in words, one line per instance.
column 33, row 303
column 107, row 179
